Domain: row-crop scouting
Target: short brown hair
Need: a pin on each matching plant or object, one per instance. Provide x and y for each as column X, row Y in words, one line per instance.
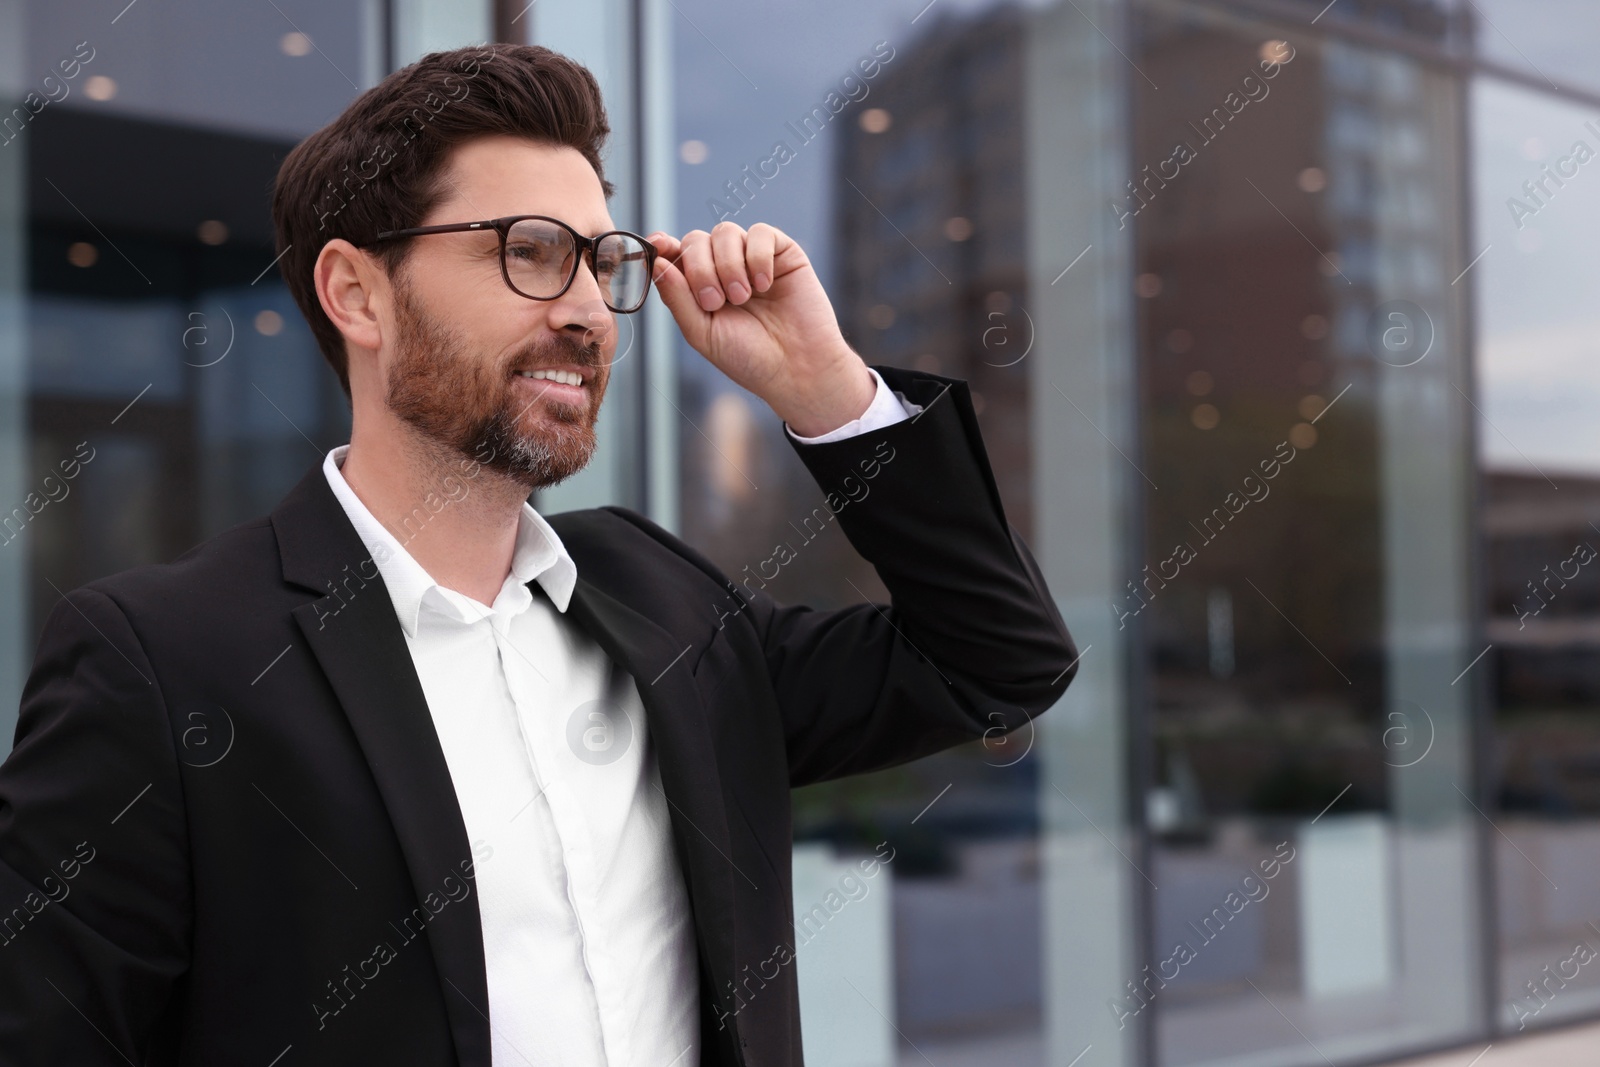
column 379, row 165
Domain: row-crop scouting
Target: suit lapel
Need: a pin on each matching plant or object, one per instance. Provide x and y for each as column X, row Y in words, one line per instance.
column 363, row 652
column 685, row 756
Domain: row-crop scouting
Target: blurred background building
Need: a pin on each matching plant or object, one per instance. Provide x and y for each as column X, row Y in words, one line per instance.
column 1279, row 320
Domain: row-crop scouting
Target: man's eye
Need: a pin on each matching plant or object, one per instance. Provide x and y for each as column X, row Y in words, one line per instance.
column 531, row 252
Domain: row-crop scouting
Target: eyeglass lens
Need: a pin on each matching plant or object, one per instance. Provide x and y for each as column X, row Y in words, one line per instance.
column 539, row 258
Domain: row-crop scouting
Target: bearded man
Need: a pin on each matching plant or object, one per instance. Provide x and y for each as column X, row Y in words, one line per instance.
column 407, row 773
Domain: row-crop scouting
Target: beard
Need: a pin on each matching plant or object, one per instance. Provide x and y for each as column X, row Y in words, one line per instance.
column 471, row 406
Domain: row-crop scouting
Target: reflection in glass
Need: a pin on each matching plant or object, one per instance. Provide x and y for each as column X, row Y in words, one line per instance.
column 1541, row 510
column 1303, row 592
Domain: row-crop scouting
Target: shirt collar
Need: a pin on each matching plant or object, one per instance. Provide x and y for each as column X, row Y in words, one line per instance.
column 538, row 556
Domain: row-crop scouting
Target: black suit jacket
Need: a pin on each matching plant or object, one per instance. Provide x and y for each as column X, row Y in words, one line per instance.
column 226, row 792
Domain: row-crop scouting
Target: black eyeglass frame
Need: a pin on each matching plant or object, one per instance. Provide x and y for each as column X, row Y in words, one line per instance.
column 585, row 246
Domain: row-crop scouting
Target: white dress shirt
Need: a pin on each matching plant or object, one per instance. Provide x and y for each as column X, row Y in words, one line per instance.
column 587, row 934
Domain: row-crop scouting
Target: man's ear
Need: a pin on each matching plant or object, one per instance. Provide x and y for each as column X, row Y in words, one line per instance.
column 350, row 287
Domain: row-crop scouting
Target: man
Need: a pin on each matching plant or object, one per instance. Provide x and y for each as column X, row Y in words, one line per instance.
column 407, row 774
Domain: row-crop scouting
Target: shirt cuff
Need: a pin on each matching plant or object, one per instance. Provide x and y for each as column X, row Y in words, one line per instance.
column 886, row 409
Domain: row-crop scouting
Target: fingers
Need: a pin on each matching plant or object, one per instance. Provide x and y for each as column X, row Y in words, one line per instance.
column 666, row 245
column 759, row 252
column 675, row 291
column 728, row 253
column 726, row 266
column 698, row 264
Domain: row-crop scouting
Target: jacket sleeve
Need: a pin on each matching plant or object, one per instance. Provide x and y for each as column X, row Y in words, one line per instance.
column 94, row 864
column 971, row 645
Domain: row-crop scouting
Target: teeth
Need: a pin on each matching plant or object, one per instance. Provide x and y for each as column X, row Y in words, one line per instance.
column 564, row 377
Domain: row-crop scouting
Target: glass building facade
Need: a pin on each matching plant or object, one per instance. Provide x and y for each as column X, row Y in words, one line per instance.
column 1279, row 322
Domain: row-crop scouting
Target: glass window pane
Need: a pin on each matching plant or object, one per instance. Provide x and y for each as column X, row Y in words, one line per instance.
column 1545, row 40
column 1303, row 594
column 170, row 387
column 1541, row 474
column 892, row 140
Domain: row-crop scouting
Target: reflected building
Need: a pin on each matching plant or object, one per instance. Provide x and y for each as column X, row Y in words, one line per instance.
column 930, row 227
column 1281, row 197
column 1287, row 195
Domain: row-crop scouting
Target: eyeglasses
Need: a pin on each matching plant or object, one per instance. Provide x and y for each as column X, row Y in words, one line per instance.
column 539, row 257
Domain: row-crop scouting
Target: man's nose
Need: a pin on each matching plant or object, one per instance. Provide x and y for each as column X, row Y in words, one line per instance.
column 582, row 309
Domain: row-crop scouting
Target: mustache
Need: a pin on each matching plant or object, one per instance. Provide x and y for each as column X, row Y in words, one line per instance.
column 561, row 349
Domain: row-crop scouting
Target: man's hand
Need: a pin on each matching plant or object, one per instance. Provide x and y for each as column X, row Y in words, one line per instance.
column 751, row 304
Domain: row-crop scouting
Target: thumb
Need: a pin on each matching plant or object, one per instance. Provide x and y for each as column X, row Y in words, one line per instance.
column 692, row 319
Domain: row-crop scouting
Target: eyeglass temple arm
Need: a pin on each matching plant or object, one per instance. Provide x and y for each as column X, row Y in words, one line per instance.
column 449, row 227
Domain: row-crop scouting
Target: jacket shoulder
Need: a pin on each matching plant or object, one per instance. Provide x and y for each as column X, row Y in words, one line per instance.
column 243, row 557
column 622, row 550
